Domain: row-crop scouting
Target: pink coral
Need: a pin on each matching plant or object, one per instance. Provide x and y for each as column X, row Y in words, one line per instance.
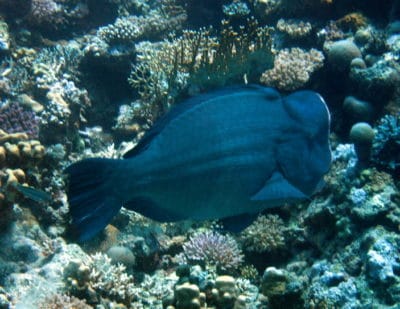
column 213, row 249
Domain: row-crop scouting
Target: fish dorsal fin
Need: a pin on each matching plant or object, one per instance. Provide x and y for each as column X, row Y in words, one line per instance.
column 185, row 106
column 277, row 188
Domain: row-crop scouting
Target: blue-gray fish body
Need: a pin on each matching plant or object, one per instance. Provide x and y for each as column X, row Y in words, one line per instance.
column 232, row 152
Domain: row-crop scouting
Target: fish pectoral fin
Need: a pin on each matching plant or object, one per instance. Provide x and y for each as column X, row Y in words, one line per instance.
column 277, row 188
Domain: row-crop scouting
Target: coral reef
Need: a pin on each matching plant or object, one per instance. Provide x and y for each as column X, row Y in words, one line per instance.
column 295, row 29
column 387, row 142
column 62, row 301
column 82, row 79
column 14, row 119
column 214, row 250
column 341, row 53
column 292, row 68
column 362, row 135
column 266, row 233
column 195, row 61
column 45, row 11
column 377, row 82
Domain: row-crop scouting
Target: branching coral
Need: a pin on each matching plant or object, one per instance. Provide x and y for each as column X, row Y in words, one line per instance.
column 293, row 68
column 214, row 250
column 99, row 277
column 166, row 16
column 111, row 280
column 201, row 60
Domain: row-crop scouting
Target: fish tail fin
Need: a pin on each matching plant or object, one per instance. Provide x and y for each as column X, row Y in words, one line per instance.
column 90, row 196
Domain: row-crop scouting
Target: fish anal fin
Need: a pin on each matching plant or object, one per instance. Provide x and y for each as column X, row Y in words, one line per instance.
column 238, row 223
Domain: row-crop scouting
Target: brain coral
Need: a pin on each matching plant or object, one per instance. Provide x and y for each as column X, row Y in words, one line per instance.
column 341, row 53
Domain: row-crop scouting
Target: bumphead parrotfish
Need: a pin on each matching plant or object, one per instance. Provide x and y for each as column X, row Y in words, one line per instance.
column 224, row 154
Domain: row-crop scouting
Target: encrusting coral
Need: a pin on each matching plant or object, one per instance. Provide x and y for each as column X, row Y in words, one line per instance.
column 266, row 233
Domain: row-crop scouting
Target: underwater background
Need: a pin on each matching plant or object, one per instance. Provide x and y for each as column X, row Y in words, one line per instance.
column 87, row 78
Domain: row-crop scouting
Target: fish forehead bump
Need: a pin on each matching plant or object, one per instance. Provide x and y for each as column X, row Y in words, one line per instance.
column 309, row 108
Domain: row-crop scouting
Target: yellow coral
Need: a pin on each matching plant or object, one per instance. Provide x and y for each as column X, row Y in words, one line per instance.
column 7, row 137
column 352, row 21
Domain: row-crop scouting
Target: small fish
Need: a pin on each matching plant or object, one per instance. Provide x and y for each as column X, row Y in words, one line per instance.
column 227, row 154
column 32, row 193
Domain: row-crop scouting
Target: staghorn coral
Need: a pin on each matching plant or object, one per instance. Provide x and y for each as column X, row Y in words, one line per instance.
column 214, row 250
column 266, row 233
column 292, row 68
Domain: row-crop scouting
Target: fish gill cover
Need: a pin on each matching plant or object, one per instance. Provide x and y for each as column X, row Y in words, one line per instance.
column 159, row 83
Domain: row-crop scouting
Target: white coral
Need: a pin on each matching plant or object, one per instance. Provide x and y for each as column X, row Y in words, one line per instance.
column 293, row 68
